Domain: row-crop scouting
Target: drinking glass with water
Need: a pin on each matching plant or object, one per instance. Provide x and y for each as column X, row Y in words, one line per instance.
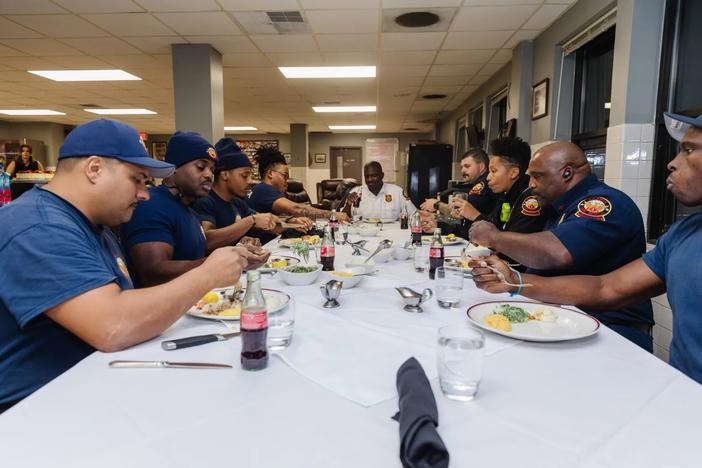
column 449, row 286
column 280, row 327
column 460, row 355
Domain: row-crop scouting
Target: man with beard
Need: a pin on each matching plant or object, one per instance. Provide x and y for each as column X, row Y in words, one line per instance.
column 379, row 199
column 164, row 238
column 593, row 230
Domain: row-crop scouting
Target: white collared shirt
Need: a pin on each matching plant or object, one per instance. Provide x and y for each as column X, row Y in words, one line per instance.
column 386, row 205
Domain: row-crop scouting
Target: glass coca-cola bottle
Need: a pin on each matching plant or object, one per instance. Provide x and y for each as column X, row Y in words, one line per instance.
column 416, row 229
column 333, row 224
column 327, row 251
column 436, row 253
column 254, row 325
column 403, row 217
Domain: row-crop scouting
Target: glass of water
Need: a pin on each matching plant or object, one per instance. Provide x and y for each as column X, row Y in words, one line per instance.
column 460, row 356
column 280, row 327
column 449, row 286
column 342, row 233
column 421, row 258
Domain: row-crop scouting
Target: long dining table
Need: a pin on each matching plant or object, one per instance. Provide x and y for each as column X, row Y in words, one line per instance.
column 327, row 400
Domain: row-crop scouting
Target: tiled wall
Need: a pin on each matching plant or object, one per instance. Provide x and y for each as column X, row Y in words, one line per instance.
column 629, row 167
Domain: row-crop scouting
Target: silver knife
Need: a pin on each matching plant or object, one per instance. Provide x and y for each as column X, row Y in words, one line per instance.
column 170, row 345
column 165, row 364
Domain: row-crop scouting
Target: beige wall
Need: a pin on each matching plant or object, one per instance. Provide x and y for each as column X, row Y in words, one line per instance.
column 52, row 134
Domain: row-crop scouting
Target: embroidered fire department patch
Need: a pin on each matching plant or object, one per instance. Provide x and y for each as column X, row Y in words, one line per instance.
column 211, row 153
column 530, row 207
column 477, row 189
column 388, row 198
column 594, row 207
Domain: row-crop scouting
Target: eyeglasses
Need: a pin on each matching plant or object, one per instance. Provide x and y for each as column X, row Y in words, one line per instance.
column 285, row 175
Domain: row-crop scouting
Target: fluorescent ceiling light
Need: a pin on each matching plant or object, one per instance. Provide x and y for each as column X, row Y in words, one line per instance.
column 328, row 72
column 85, row 75
column 344, row 108
column 352, row 127
column 121, row 111
column 30, row 112
column 240, row 129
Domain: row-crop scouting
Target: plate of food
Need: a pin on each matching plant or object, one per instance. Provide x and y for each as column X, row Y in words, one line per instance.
column 460, row 262
column 378, row 220
column 279, row 261
column 450, row 239
column 225, row 303
column 532, row 321
column 311, row 240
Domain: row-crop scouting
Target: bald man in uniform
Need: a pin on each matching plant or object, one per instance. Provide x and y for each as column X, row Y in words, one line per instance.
column 595, row 230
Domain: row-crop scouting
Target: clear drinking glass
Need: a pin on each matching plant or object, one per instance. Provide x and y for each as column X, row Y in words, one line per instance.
column 342, row 234
column 460, row 355
column 460, row 195
column 449, row 286
column 280, row 327
column 421, row 258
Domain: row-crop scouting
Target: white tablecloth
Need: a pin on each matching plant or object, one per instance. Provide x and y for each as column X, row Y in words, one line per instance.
column 598, row 402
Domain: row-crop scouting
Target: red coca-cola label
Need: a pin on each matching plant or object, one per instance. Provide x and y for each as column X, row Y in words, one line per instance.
column 254, row 320
column 435, row 252
column 326, row 251
column 417, row 229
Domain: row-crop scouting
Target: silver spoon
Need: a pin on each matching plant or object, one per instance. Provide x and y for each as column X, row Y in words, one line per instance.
column 384, row 244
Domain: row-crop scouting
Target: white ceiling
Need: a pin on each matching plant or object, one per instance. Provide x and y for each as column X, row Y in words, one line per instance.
column 454, row 57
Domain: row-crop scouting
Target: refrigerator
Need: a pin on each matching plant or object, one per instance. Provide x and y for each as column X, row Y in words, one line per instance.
column 428, row 171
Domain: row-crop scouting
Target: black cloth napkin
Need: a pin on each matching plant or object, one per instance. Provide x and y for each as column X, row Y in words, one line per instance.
column 420, row 444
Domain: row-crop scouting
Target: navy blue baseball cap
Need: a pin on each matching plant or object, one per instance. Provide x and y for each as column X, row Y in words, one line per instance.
column 184, row 147
column 678, row 125
column 230, row 156
column 112, row 139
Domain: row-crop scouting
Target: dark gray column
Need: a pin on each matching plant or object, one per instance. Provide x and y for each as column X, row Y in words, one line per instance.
column 299, row 145
column 198, row 91
column 520, row 92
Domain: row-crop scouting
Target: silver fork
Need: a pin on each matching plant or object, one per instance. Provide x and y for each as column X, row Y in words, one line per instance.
column 504, row 280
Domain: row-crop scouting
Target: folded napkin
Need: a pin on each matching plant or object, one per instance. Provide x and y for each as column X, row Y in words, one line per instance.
column 420, row 444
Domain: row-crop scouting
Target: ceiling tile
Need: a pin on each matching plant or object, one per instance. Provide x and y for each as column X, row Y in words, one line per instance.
column 302, row 59
column 285, row 43
column 455, row 57
column 350, row 58
column 8, row 52
column 32, row 63
column 479, row 79
column 135, row 61
column 99, row 6
column 504, row 2
column 521, row 35
column 29, row 7
column 475, row 40
column 454, row 70
column 400, row 80
column 491, row 68
column 445, row 80
column 405, row 71
column 502, row 56
column 155, row 44
column 343, row 21
column 329, row 4
column 102, row 45
column 259, row 5
column 60, row 25
column 225, row 44
column 213, row 23
column 40, row 47
column 420, row 3
column 498, row 18
column 79, row 61
column 179, row 5
column 423, row 57
column 412, row 41
column 347, row 42
column 546, row 15
column 448, row 90
column 245, row 60
column 130, row 24
column 9, row 29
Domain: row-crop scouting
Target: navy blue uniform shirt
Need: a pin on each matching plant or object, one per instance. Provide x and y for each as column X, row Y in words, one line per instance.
column 49, row 253
column 481, row 196
column 602, row 228
column 163, row 218
column 262, row 198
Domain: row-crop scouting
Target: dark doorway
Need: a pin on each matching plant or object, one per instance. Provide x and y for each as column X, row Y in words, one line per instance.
column 429, row 170
column 346, row 162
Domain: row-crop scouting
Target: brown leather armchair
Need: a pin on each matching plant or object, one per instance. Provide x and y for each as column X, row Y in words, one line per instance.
column 296, row 192
column 331, row 193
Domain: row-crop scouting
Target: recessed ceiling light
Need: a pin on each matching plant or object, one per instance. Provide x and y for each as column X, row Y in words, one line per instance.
column 240, row 129
column 434, row 96
column 351, row 127
column 121, row 111
column 417, row 19
column 85, row 75
column 30, row 112
column 328, row 72
column 344, row 108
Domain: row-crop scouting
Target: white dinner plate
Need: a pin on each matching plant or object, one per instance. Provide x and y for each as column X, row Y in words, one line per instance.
column 454, row 261
column 377, row 220
column 288, row 242
column 275, row 301
column 570, row 325
column 446, row 240
column 292, row 261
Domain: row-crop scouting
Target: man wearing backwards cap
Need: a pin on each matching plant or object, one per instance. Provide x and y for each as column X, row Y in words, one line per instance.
column 224, row 214
column 672, row 266
column 65, row 288
column 164, row 238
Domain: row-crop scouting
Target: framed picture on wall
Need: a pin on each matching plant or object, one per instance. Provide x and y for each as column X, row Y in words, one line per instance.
column 288, row 157
column 320, row 158
column 158, row 150
column 539, row 100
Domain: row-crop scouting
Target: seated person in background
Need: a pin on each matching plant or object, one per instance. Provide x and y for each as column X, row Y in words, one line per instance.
column 224, row 215
column 25, row 162
column 65, row 288
column 593, row 229
column 377, row 198
column 164, row 238
column 268, row 195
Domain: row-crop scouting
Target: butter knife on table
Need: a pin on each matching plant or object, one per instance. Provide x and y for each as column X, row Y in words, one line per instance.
column 167, row 364
column 179, row 343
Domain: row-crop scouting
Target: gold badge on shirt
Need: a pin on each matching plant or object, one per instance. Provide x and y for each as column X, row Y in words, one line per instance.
column 388, row 198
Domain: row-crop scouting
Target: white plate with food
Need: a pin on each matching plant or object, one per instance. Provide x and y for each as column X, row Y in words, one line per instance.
column 459, row 262
column 276, row 262
column 532, row 321
column 311, row 240
column 378, row 220
column 225, row 303
column 450, row 239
